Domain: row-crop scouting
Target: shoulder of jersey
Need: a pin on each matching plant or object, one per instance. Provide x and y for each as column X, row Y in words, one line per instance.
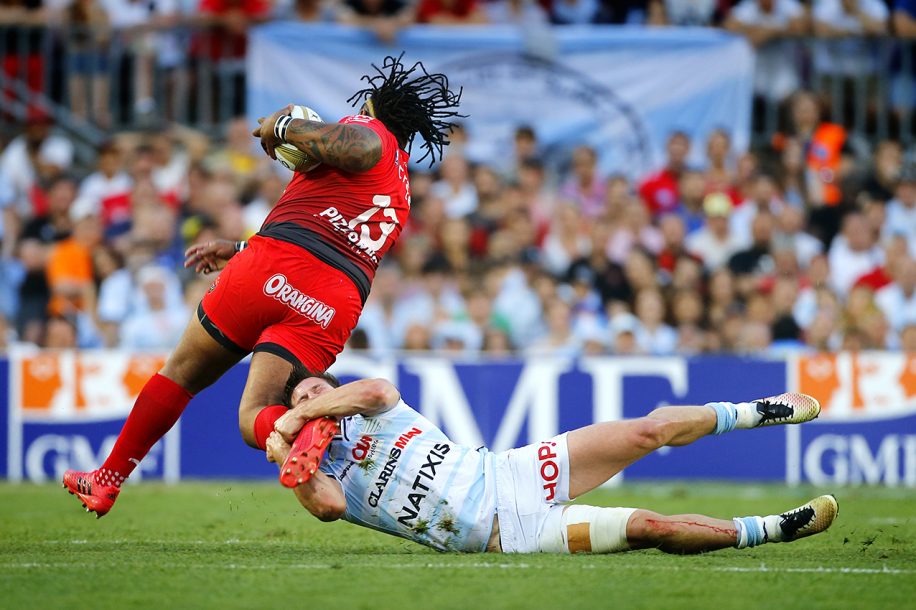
column 359, row 118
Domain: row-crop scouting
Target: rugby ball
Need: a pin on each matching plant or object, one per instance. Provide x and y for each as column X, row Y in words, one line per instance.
column 291, row 157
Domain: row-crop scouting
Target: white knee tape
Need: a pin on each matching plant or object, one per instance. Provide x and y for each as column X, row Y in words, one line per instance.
column 585, row 529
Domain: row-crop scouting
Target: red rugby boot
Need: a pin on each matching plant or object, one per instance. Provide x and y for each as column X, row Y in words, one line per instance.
column 96, row 497
column 307, row 451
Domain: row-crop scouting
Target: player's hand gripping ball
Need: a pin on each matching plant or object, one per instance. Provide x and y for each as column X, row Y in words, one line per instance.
column 291, row 157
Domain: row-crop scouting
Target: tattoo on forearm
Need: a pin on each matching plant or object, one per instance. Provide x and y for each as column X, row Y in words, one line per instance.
column 352, row 148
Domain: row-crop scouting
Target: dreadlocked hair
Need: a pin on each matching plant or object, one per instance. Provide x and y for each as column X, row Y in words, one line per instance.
column 411, row 101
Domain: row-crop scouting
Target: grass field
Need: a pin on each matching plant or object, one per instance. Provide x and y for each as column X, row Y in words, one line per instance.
column 245, row 545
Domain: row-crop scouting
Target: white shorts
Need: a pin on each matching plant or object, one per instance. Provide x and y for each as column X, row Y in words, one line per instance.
column 529, row 482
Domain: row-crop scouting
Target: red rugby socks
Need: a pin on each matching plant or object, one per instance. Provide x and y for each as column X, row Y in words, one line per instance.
column 264, row 423
column 159, row 405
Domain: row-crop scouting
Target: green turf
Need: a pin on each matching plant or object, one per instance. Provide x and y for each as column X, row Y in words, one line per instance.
column 245, row 545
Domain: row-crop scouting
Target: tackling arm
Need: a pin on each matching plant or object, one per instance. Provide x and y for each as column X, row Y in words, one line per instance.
column 365, row 397
column 321, row 495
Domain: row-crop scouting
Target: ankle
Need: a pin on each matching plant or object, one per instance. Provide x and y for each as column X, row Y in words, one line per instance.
column 106, row 476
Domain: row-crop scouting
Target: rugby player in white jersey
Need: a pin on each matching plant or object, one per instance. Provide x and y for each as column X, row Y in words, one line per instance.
column 392, row 470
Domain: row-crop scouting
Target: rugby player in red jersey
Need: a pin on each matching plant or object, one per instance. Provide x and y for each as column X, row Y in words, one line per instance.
column 295, row 291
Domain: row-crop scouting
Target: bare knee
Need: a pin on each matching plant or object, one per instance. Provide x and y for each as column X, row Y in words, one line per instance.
column 650, row 433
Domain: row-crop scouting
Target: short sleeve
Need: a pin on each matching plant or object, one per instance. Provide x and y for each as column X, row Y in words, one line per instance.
column 389, row 143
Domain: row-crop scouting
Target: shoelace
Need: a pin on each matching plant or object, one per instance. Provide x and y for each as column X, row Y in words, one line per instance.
column 795, row 520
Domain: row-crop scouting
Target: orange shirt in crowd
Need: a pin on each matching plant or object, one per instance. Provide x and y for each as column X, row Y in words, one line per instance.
column 69, row 264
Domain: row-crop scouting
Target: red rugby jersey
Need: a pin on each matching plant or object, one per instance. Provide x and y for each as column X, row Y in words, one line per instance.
column 347, row 219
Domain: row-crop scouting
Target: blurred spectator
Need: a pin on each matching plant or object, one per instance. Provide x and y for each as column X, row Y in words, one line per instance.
column 450, row 12
column 565, row 242
column 60, row 333
column 764, row 199
column 455, row 188
column 623, row 329
column 135, row 25
column 719, row 171
column 653, row 336
column 790, row 235
column 722, row 298
column 157, row 324
column 901, row 210
column 634, row 230
column 841, row 20
column 766, row 24
column 570, row 12
column 69, row 271
column 269, row 191
column 584, row 187
column 908, row 339
column 379, row 320
column 225, row 43
column 692, row 188
column 640, row 271
column 87, row 37
column 30, row 160
column 693, row 13
column 881, row 180
column 756, row 259
column 525, row 13
column 714, row 243
column 559, row 339
column 525, row 148
column 673, row 233
column 384, row 17
column 902, row 80
column 852, row 254
column 54, row 225
column 791, row 173
column 631, row 12
column 898, row 299
column 107, row 190
column 660, row 190
column 827, row 161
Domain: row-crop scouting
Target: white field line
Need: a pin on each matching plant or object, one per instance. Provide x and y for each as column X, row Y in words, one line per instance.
column 886, row 571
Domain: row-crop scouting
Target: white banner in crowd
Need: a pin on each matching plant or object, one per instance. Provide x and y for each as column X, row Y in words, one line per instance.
column 621, row 90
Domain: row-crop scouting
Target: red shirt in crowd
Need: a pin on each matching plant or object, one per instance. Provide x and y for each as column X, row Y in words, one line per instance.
column 455, row 8
column 660, row 192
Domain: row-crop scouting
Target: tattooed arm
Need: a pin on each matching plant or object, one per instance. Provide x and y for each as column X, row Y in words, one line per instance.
column 352, row 148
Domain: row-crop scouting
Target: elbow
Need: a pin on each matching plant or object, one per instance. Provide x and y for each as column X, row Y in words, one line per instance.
column 382, row 393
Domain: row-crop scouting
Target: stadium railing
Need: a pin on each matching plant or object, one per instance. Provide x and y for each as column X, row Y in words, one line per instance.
column 195, row 75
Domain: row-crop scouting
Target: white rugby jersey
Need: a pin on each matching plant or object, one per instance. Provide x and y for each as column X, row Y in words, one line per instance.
column 403, row 476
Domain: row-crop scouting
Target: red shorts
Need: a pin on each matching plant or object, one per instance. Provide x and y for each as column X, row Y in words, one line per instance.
column 276, row 297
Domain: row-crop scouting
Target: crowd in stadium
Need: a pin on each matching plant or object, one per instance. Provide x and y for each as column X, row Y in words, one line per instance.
column 762, row 252
column 778, row 16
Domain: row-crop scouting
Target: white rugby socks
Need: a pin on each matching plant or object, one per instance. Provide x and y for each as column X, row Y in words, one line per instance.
column 757, row 530
column 731, row 415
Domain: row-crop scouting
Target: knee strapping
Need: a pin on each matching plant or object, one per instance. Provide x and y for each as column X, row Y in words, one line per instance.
column 585, row 529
